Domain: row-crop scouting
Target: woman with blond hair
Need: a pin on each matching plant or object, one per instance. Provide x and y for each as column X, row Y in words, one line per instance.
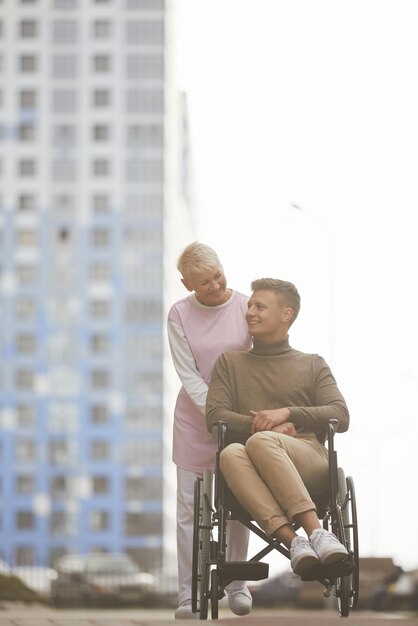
column 207, row 322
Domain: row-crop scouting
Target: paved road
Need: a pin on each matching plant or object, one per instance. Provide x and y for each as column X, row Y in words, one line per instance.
column 35, row 615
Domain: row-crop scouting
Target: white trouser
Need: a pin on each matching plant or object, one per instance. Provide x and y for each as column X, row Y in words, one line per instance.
column 237, row 536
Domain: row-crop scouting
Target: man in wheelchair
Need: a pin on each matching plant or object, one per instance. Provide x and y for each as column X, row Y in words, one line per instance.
column 277, row 403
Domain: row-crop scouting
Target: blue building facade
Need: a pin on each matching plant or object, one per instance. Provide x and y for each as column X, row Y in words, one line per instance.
column 86, row 189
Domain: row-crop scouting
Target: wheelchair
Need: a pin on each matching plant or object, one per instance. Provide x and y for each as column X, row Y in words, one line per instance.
column 215, row 505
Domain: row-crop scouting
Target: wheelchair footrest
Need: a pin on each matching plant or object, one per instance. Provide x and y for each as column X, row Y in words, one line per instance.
column 335, row 570
column 244, row 570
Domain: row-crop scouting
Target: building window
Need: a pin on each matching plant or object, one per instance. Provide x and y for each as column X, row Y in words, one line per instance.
column 26, row 131
column 63, row 417
column 26, row 238
column 64, row 101
column 26, row 343
column 102, row 29
column 100, row 379
column 101, row 203
column 99, row 520
column 25, row 450
column 142, row 311
column 62, row 452
column 137, row 524
column 143, row 417
column 61, row 523
column 138, row 101
column 100, row 309
column 25, row 484
column 28, row 29
column 64, row 66
column 101, row 167
column 63, row 203
column 64, row 31
column 27, row 99
column 99, row 414
column 59, row 487
column 28, row 64
column 24, row 555
column 101, row 63
column 65, row 380
column 26, row 202
column 101, row 98
column 145, row 32
column 145, row 136
column 99, row 450
column 24, row 379
column 143, row 488
column 142, row 452
column 61, row 347
column 100, row 237
column 65, row 4
column 144, row 205
column 64, row 170
column 100, row 272
column 151, row 5
column 25, row 415
column 144, row 171
column 139, row 67
column 27, row 167
column 25, row 308
column 100, row 485
column 99, row 344
column 64, row 135
column 101, row 132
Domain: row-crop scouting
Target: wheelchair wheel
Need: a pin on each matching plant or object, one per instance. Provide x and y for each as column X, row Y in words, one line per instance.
column 196, row 539
column 204, row 543
column 352, row 531
column 214, row 593
column 347, row 586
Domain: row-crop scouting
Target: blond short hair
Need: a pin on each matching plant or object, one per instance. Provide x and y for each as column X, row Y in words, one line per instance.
column 196, row 257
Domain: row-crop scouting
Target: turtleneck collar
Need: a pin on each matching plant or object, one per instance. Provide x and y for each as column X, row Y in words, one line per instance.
column 270, row 348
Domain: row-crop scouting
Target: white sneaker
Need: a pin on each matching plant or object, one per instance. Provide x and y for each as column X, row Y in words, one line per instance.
column 302, row 556
column 184, row 611
column 327, row 546
column 240, row 601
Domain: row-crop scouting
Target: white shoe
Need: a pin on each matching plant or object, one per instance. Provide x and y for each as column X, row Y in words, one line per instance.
column 184, row 611
column 240, row 601
column 302, row 556
column 327, row 546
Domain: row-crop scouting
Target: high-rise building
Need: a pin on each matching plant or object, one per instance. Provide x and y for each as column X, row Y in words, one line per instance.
column 93, row 211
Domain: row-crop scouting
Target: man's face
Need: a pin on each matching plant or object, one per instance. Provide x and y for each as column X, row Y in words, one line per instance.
column 268, row 316
column 209, row 286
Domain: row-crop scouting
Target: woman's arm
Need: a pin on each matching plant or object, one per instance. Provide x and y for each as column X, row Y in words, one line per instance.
column 185, row 365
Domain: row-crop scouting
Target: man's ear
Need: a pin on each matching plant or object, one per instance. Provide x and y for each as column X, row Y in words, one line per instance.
column 186, row 284
column 287, row 314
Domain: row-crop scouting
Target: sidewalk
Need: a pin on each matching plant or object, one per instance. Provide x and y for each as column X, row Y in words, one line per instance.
column 34, row 615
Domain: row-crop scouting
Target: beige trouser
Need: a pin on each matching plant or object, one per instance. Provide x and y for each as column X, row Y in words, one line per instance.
column 273, row 475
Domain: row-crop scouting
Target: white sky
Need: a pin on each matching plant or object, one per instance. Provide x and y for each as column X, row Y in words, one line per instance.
column 315, row 104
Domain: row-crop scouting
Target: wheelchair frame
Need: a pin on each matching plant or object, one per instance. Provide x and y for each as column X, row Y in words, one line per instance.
column 214, row 505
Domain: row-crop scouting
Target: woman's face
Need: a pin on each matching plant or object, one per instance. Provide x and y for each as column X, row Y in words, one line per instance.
column 209, row 286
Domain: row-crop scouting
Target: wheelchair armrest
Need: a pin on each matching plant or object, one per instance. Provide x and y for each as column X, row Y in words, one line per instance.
column 330, row 434
column 221, row 428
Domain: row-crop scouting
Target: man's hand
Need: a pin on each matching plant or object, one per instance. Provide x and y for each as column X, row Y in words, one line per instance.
column 268, row 419
column 288, row 428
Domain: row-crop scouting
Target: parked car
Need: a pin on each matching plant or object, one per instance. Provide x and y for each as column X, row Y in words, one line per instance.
column 96, row 578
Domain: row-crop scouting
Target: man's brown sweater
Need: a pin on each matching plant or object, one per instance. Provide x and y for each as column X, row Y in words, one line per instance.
column 273, row 376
